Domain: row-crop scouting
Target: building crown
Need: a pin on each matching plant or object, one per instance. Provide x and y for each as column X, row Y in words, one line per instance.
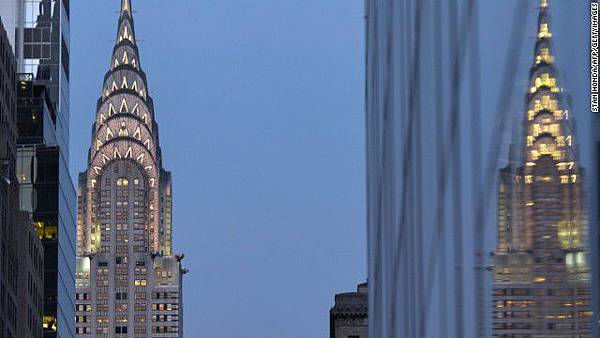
column 548, row 127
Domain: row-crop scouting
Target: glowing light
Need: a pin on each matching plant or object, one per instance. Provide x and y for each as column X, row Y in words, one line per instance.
column 545, row 80
column 544, row 56
column 544, row 31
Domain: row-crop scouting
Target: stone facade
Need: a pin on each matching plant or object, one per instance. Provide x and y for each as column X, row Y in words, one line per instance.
column 349, row 315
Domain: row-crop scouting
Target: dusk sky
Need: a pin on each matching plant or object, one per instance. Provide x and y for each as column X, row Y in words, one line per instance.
column 260, row 106
column 260, row 113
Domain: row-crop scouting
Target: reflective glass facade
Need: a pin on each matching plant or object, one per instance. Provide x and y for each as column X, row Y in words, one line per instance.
column 48, row 195
column 45, row 54
column 420, row 251
column 40, row 38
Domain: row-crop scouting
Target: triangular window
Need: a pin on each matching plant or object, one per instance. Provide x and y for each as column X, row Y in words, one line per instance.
column 109, row 134
column 124, row 108
column 137, row 134
column 116, row 153
column 123, row 132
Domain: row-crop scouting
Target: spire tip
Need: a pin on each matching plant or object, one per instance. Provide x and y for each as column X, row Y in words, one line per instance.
column 125, row 7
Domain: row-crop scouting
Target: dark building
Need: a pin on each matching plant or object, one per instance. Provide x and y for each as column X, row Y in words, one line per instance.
column 30, row 297
column 40, row 40
column 349, row 316
column 9, row 191
column 21, row 289
column 48, row 196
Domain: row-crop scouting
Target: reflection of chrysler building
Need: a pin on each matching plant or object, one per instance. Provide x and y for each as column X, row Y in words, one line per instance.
column 128, row 281
column 541, row 272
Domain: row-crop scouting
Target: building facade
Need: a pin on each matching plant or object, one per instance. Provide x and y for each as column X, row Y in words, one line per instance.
column 9, row 193
column 349, row 317
column 39, row 35
column 21, row 284
column 129, row 284
column 30, row 289
column 419, row 267
column 48, row 196
column 541, row 274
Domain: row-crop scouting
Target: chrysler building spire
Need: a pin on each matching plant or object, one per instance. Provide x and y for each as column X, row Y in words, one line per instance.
column 124, row 231
column 541, row 255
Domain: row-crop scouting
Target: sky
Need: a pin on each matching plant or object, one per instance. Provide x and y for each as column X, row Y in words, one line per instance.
column 260, row 106
column 260, row 112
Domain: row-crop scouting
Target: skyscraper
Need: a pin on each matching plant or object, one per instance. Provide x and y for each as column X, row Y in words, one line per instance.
column 9, row 191
column 39, row 35
column 420, row 274
column 541, row 282
column 128, row 282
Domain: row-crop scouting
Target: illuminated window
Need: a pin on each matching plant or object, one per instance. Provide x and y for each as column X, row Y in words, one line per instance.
column 545, row 80
column 122, row 182
column 123, row 131
column 140, row 282
column 123, row 108
column 530, row 140
column 544, row 31
column 544, row 56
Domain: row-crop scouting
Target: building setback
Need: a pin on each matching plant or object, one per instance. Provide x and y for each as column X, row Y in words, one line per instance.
column 129, row 284
column 349, row 317
column 541, row 281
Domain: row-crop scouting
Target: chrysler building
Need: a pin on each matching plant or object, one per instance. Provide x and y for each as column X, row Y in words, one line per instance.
column 129, row 282
column 541, row 271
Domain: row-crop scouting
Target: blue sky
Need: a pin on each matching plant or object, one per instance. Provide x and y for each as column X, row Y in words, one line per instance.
column 260, row 111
